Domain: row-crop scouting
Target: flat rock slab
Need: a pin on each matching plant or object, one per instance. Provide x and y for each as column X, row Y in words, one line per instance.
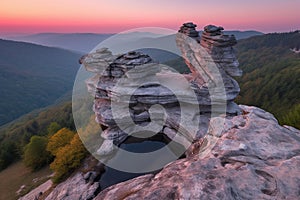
column 35, row 193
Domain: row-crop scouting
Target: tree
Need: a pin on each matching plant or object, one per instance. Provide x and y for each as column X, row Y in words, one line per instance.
column 53, row 128
column 292, row 118
column 60, row 139
column 8, row 153
column 20, row 132
column 35, row 154
column 68, row 158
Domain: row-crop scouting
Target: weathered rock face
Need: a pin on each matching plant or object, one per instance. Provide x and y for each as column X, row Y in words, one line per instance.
column 212, row 64
column 220, row 47
column 245, row 154
column 127, row 86
column 254, row 158
column 189, row 29
column 83, row 185
column 75, row 187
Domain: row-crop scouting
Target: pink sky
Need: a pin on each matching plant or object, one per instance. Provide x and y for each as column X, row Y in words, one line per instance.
column 111, row 16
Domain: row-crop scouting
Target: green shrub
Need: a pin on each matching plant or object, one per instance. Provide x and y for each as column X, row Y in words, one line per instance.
column 35, row 154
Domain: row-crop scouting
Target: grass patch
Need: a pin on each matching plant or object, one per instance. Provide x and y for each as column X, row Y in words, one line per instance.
column 13, row 177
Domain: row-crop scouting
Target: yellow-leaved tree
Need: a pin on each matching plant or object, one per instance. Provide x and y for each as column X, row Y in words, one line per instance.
column 68, row 150
column 60, row 139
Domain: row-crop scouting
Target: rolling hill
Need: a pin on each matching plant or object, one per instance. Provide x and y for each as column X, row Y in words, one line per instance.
column 79, row 42
column 33, row 76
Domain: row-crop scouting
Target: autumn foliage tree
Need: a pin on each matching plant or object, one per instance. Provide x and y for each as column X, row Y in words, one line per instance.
column 68, row 150
column 60, row 139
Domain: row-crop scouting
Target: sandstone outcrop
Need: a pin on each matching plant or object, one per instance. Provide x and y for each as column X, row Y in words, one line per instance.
column 127, row 86
column 82, row 185
column 189, row 29
column 233, row 152
column 254, row 158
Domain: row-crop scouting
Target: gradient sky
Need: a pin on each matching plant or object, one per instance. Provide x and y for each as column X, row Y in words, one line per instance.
column 111, row 16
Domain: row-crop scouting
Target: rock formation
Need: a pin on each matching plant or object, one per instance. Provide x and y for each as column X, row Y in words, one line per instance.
column 234, row 152
column 212, row 64
column 254, row 158
column 189, row 29
column 82, row 185
column 133, row 83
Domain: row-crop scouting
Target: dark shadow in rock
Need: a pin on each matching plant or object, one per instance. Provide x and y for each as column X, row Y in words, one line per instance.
column 138, row 145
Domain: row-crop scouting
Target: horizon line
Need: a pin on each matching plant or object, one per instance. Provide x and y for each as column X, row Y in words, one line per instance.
column 122, row 32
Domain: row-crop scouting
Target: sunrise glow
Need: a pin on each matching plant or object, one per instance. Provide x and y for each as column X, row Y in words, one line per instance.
column 112, row 16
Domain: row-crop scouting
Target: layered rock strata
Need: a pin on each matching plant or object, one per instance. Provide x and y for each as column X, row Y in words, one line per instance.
column 133, row 93
column 212, row 63
column 250, row 155
column 189, row 29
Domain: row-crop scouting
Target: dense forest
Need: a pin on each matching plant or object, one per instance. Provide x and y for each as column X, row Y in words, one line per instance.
column 33, row 76
column 15, row 136
column 271, row 78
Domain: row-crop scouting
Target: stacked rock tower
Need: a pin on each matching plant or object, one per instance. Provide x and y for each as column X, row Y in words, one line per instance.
column 189, row 29
column 213, row 62
column 133, row 93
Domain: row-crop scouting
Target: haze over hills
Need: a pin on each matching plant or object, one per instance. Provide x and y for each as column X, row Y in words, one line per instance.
column 85, row 42
column 33, row 76
column 81, row 42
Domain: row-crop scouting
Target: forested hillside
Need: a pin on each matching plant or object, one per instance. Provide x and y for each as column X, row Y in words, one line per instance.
column 15, row 136
column 271, row 78
column 33, row 76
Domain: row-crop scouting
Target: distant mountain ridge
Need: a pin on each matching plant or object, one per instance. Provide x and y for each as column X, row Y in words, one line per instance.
column 33, row 76
column 74, row 41
column 85, row 42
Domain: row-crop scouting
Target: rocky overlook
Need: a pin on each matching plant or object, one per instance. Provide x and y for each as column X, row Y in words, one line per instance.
column 232, row 152
column 254, row 158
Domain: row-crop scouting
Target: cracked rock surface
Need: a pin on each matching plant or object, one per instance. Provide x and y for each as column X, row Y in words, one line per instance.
column 254, row 158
